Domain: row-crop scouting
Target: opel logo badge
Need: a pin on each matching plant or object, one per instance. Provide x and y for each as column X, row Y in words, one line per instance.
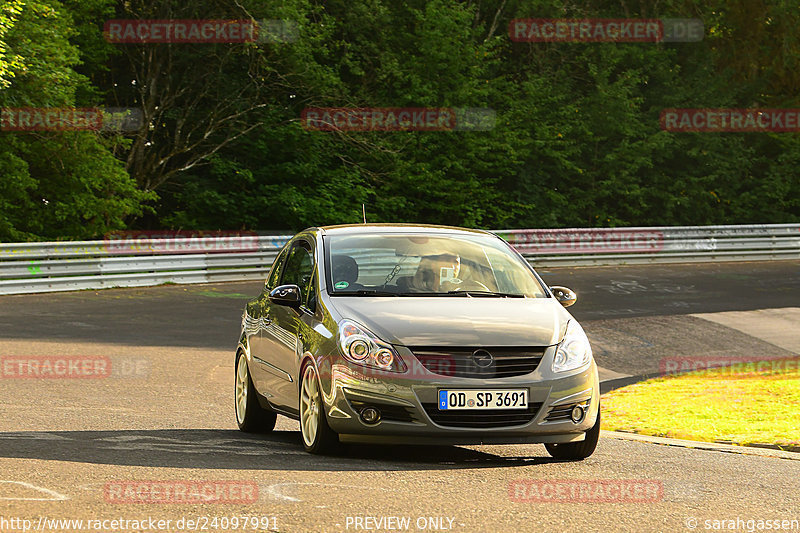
column 482, row 358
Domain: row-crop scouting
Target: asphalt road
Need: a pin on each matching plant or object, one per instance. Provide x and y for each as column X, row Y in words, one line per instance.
column 656, row 290
column 635, row 316
column 166, row 414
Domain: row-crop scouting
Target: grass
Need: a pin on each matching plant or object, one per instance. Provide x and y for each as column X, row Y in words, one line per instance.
column 739, row 404
column 216, row 294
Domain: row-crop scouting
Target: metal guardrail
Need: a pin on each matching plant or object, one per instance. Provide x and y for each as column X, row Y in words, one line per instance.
column 667, row 244
column 66, row 266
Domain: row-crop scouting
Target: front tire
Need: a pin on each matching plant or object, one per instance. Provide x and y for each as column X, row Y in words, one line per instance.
column 577, row 451
column 318, row 437
column 250, row 416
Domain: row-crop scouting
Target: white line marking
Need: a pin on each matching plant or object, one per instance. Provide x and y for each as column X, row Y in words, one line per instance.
column 55, row 495
column 273, row 491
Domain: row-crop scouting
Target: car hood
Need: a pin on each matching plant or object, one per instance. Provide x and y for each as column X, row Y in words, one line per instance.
column 457, row 320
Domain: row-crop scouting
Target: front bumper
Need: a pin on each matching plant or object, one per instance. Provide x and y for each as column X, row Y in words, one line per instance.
column 409, row 411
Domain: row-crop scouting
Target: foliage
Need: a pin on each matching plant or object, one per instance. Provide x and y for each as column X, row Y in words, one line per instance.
column 56, row 185
column 577, row 140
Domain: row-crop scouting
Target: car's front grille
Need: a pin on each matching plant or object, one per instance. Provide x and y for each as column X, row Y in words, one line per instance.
column 473, row 362
column 481, row 418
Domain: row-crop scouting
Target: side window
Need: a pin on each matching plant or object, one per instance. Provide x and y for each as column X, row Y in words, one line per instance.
column 277, row 270
column 299, row 270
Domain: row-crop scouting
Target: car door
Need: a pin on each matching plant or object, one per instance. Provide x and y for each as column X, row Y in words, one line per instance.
column 281, row 343
column 258, row 320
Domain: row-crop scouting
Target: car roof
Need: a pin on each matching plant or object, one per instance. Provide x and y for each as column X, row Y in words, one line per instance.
column 371, row 229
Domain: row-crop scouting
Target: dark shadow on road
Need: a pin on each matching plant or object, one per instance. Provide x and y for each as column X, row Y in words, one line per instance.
column 230, row 449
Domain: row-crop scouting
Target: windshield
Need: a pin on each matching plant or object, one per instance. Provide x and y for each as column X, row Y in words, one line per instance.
column 414, row 264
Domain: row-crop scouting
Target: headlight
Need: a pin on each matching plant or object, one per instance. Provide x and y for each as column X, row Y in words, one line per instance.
column 362, row 347
column 574, row 350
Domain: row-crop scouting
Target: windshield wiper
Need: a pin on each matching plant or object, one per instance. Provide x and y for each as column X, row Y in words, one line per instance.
column 487, row 293
column 365, row 292
column 469, row 294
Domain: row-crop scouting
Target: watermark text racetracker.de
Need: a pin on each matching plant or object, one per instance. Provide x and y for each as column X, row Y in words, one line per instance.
column 589, row 30
column 199, row 31
column 586, row 490
column 387, row 119
column 23, row 119
column 234, row 522
column 730, row 120
column 578, row 240
column 182, row 241
column 85, row 367
column 729, row 365
column 181, row 492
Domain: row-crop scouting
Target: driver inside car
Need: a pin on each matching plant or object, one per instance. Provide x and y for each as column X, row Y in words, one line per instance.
column 437, row 273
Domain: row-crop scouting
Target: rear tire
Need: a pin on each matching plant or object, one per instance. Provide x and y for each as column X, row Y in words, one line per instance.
column 250, row 416
column 318, row 437
column 577, row 451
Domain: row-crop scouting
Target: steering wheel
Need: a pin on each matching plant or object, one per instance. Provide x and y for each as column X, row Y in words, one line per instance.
column 472, row 285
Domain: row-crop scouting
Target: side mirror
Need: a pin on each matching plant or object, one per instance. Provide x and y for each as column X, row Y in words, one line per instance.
column 288, row 295
column 564, row 295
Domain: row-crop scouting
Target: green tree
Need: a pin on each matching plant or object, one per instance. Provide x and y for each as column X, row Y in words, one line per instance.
column 56, row 184
column 9, row 64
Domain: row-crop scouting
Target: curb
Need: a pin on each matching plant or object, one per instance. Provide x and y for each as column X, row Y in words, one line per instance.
column 760, row 450
column 616, row 383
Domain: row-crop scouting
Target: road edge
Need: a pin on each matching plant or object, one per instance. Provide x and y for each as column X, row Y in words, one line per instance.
column 700, row 445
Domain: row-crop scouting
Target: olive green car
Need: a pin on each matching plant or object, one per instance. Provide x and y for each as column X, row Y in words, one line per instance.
column 418, row 335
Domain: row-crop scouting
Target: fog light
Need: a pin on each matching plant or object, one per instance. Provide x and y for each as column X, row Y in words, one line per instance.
column 370, row 415
column 577, row 414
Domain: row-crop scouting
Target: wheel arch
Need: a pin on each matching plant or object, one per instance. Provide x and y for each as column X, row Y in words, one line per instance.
column 322, row 367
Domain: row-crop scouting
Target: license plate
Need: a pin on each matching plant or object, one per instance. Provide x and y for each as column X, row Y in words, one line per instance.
column 483, row 399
